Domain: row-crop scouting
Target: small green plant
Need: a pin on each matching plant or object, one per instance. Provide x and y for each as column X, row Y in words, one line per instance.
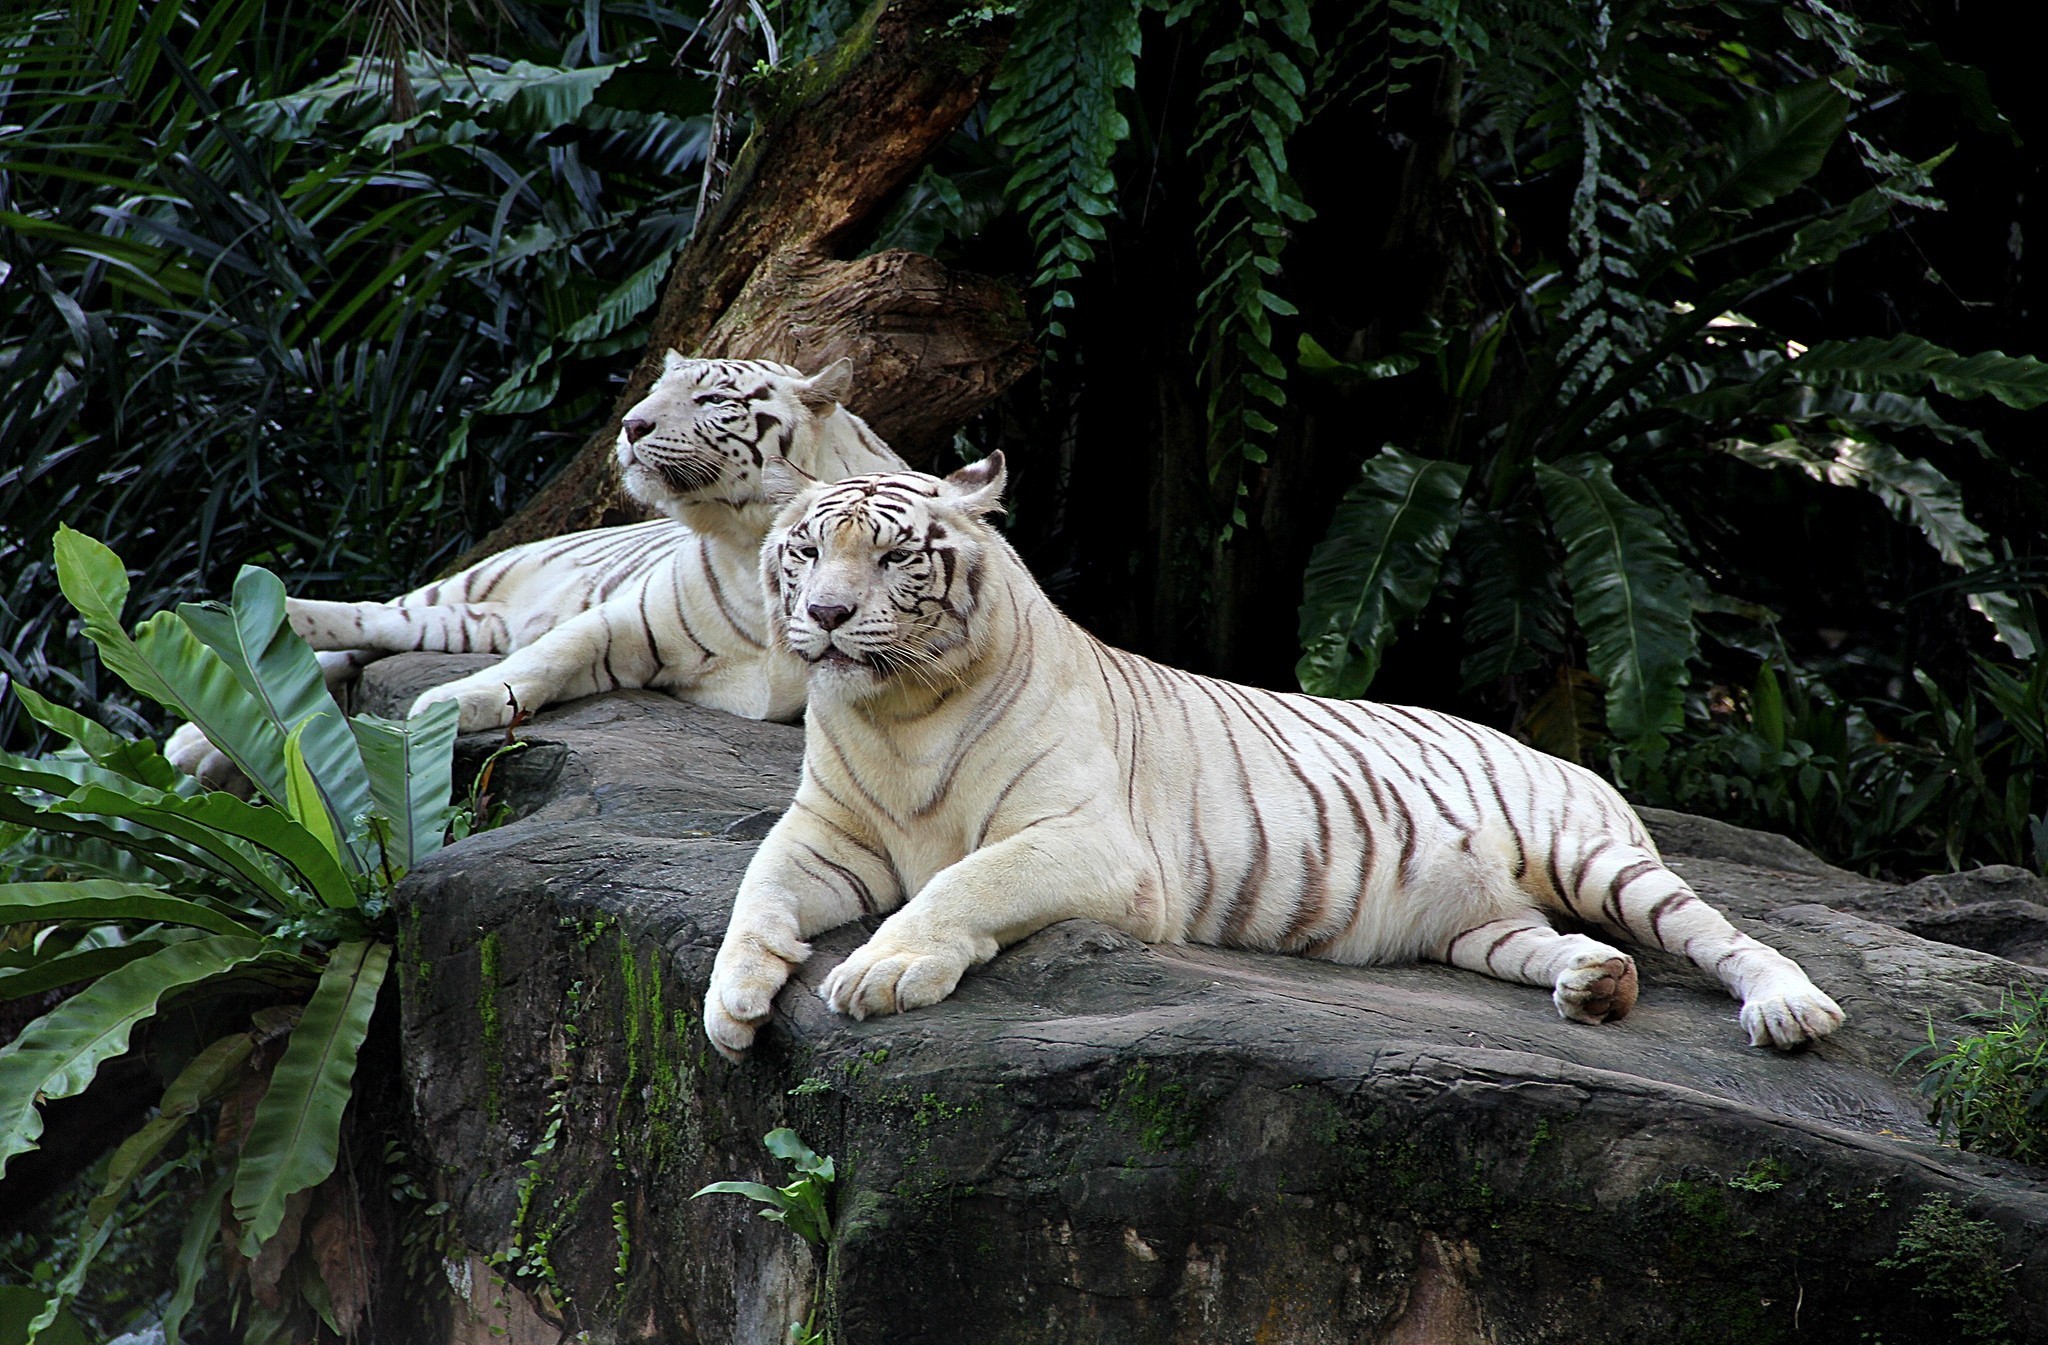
column 1990, row 1091
column 152, row 892
column 1761, row 1177
column 1956, row 1264
column 803, row 1207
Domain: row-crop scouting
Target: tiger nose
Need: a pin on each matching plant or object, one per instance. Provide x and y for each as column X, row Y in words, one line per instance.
column 829, row 615
column 635, row 430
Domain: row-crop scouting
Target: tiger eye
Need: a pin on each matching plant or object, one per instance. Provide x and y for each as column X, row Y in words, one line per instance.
column 895, row 558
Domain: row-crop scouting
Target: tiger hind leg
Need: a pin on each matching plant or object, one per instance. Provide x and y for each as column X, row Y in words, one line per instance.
column 1626, row 888
column 1590, row 982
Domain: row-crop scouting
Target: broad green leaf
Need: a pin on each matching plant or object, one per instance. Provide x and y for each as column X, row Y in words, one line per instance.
column 1917, row 492
column 202, row 1230
column 1909, row 364
column 228, row 831
column 1821, row 242
column 1776, row 142
column 197, row 1082
column 767, row 1195
column 138, row 759
column 165, row 662
column 1767, row 708
column 51, row 972
column 785, row 1144
column 21, row 1305
column 410, row 766
column 302, row 796
column 1514, row 619
column 105, row 902
column 1377, row 566
column 295, row 1136
column 1629, row 593
column 57, row 1055
column 76, row 844
column 202, row 1079
column 278, row 671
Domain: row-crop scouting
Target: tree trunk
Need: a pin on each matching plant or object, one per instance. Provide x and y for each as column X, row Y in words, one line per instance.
column 766, row 274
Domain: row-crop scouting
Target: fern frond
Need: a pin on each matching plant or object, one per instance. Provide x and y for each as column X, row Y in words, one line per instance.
column 1055, row 110
column 1249, row 111
column 1609, row 318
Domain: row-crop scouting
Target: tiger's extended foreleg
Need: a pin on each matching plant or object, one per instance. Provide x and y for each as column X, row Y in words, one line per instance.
column 1627, row 889
column 603, row 649
column 402, row 628
column 1590, row 982
column 815, row 871
column 1055, row 870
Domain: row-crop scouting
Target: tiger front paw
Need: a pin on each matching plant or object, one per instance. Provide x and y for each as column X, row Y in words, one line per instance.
column 1598, row 986
column 486, row 700
column 887, row 975
column 751, row 967
column 1790, row 1016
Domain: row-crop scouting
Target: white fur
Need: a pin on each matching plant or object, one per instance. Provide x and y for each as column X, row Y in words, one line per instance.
column 673, row 604
column 977, row 767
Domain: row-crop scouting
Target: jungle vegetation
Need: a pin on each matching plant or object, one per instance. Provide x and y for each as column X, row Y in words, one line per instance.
column 1653, row 380
column 1648, row 379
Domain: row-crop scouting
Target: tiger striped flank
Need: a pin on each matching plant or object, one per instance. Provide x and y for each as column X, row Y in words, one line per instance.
column 980, row 767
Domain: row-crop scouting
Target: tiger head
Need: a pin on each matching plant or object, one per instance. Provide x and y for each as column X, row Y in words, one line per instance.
column 876, row 578
column 701, row 434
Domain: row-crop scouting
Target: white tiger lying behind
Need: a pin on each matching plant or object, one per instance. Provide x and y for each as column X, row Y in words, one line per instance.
column 982, row 767
column 645, row 605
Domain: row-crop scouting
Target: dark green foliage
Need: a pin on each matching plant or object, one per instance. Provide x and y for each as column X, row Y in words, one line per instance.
column 1958, row 1267
column 1990, row 1091
column 1631, row 224
column 1378, row 567
column 1054, row 108
column 266, row 302
column 1629, row 593
column 144, row 891
column 1251, row 108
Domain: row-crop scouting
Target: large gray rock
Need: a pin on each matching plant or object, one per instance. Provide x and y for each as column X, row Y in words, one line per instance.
column 1096, row 1140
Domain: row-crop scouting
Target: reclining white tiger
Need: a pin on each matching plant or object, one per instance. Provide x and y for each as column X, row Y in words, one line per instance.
column 645, row 605
column 982, row 767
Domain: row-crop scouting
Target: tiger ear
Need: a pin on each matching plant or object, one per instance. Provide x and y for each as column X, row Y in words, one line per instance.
column 672, row 360
column 828, row 387
column 782, row 481
column 978, row 487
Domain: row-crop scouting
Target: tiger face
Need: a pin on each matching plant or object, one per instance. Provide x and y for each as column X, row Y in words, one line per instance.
column 701, row 434
column 876, row 577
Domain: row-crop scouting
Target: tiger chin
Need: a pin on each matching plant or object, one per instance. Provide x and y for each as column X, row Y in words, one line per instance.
column 643, row 605
column 977, row 767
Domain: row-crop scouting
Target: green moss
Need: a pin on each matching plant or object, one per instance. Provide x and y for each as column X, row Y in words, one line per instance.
column 488, row 952
column 1163, row 1115
column 1958, row 1268
column 1761, row 1177
column 629, row 989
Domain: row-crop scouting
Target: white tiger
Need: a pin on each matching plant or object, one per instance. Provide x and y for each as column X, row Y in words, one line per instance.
column 981, row 767
column 645, row 605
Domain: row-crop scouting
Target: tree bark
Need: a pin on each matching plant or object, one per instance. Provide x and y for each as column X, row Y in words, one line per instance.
column 766, row 276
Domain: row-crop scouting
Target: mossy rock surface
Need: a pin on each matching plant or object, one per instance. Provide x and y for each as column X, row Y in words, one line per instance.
column 1096, row 1140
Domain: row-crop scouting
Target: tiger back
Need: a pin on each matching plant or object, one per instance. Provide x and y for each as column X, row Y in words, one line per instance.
column 977, row 767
